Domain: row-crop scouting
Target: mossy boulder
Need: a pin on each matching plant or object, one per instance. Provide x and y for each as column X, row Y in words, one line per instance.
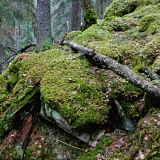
column 143, row 10
column 117, row 49
column 72, row 35
column 93, row 33
column 151, row 51
column 120, row 8
column 150, row 23
column 120, row 24
column 79, row 96
column 67, row 86
column 123, row 7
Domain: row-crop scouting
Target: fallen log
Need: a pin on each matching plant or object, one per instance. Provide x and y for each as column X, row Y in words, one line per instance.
column 116, row 67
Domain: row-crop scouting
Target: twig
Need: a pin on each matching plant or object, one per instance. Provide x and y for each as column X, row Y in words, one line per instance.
column 71, row 146
column 152, row 75
column 17, row 52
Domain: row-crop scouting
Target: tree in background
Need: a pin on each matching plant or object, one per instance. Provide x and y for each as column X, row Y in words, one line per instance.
column 75, row 13
column 89, row 15
column 43, row 22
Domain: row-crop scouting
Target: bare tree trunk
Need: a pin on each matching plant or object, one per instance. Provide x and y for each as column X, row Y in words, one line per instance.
column 43, row 21
column 119, row 69
column 75, row 12
column 3, row 56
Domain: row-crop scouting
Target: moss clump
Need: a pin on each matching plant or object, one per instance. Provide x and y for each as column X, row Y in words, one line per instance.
column 89, row 15
column 100, row 149
column 125, row 90
column 94, row 33
column 150, row 23
column 143, row 10
column 128, row 96
column 71, row 35
column 120, row 8
column 151, row 51
column 90, row 18
column 67, row 83
column 117, row 49
column 120, row 24
column 72, row 91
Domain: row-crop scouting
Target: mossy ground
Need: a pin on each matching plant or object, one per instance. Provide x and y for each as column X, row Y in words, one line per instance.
column 83, row 93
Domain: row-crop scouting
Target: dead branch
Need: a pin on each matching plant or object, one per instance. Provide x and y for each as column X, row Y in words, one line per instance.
column 71, row 146
column 152, row 75
column 9, row 59
column 119, row 69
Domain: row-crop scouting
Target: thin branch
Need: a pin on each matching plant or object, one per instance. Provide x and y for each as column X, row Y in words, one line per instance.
column 9, row 59
column 71, row 146
column 152, row 75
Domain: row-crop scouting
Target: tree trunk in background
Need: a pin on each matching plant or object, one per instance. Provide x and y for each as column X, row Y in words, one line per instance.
column 89, row 15
column 43, row 21
column 3, row 56
column 75, row 12
column 100, row 6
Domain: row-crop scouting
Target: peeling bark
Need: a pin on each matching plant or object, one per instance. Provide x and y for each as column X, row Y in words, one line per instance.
column 119, row 69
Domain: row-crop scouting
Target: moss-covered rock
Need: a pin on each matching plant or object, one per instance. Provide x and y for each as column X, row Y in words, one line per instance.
column 151, row 51
column 94, row 33
column 120, row 24
column 143, row 10
column 120, row 8
column 68, row 86
column 72, row 35
column 150, row 23
column 117, row 49
column 78, row 95
column 123, row 7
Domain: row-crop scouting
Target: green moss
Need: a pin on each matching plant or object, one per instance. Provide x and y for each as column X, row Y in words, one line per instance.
column 128, row 97
column 93, row 152
column 117, row 49
column 147, row 2
column 120, row 8
column 147, row 23
column 143, row 10
column 60, row 87
column 94, row 33
column 72, row 35
column 90, row 18
column 120, row 24
column 150, row 51
column 109, row 18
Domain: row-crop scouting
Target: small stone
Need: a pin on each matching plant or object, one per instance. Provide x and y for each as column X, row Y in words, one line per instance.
column 24, row 75
column 74, row 92
column 158, row 123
